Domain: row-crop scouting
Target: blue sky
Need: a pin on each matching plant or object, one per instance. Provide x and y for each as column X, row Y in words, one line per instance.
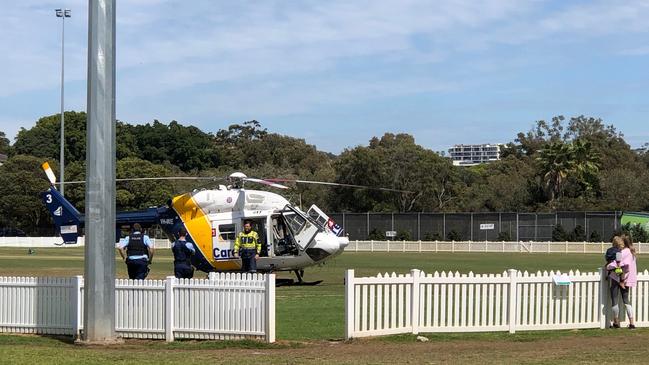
column 337, row 73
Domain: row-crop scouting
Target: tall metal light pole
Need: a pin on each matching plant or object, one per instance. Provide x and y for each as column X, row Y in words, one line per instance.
column 62, row 13
column 99, row 307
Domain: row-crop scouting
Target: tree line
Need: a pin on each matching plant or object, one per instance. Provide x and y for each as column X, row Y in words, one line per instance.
column 579, row 163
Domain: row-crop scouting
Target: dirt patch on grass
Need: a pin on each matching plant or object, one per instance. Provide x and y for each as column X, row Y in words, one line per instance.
column 569, row 349
column 564, row 347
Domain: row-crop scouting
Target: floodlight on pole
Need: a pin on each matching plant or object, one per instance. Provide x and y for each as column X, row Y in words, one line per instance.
column 63, row 13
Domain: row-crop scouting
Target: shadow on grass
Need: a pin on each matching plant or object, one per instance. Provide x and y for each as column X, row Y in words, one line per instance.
column 51, row 340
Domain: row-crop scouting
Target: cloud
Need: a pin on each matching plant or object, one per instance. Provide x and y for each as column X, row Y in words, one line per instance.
column 204, row 60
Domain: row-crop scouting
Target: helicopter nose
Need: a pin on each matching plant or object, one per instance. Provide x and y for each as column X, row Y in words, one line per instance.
column 343, row 242
column 327, row 242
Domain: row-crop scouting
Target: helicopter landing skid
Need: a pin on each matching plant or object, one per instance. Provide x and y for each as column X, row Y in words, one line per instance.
column 300, row 282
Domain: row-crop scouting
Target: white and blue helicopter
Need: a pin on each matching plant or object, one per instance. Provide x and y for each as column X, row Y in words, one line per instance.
column 292, row 239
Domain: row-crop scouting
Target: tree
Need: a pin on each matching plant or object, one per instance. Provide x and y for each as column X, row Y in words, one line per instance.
column 505, row 185
column 556, row 163
column 4, row 144
column 21, row 182
column 189, row 148
column 624, row 189
column 43, row 140
column 561, row 160
column 396, row 162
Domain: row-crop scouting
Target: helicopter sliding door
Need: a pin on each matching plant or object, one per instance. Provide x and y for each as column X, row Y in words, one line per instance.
column 300, row 227
column 223, row 235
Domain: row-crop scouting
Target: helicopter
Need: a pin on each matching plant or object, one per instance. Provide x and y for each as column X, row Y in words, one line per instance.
column 292, row 239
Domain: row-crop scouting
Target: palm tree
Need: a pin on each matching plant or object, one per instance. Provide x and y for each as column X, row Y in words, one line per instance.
column 556, row 164
column 586, row 163
column 559, row 160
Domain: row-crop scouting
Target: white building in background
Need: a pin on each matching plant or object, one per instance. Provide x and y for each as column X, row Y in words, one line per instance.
column 3, row 158
column 474, row 154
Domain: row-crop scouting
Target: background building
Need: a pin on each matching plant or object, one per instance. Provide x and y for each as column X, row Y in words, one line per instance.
column 474, row 154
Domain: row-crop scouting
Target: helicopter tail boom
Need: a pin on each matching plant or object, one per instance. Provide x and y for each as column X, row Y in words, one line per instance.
column 66, row 217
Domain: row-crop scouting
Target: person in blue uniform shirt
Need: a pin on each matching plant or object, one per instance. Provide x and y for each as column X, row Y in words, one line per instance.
column 183, row 252
column 137, row 251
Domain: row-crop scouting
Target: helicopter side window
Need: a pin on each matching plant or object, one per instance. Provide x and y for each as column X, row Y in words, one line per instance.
column 227, row 232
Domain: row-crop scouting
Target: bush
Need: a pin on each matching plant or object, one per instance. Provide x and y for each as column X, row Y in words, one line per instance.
column 403, row 236
column 578, row 234
column 637, row 232
column 595, row 237
column 377, row 235
column 559, row 234
column 433, row 236
column 504, row 236
column 454, row 235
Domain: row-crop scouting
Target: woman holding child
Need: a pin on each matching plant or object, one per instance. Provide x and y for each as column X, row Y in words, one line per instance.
column 623, row 275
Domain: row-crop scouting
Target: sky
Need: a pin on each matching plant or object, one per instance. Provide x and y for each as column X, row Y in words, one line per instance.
column 337, row 73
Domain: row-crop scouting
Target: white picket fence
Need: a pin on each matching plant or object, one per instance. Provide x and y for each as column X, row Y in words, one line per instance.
column 454, row 302
column 484, row 246
column 225, row 306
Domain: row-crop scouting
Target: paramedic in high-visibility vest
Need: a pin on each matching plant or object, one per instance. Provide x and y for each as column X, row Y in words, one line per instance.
column 248, row 247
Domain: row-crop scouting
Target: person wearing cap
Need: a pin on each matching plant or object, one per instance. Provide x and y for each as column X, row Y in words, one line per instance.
column 137, row 252
column 183, row 252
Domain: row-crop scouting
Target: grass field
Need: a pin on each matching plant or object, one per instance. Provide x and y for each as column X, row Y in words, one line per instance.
column 313, row 317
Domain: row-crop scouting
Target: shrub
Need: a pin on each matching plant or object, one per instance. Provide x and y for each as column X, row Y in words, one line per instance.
column 504, row 236
column 595, row 237
column 403, row 236
column 433, row 236
column 578, row 234
column 375, row 234
column 559, row 234
column 454, row 235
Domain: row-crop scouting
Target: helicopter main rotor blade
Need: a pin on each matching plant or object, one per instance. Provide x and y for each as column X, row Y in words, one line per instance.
column 341, row 184
column 266, row 182
column 152, row 179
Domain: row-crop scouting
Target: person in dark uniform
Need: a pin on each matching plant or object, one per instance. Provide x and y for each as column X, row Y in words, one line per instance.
column 137, row 251
column 183, row 252
column 248, row 247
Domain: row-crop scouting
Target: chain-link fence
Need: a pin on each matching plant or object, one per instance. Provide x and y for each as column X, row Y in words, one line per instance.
column 477, row 226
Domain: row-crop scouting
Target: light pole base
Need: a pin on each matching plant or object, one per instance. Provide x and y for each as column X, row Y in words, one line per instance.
column 106, row 342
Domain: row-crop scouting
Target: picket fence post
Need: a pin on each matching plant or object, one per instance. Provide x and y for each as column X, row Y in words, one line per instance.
column 270, row 308
column 169, row 310
column 349, row 304
column 75, row 300
column 513, row 294
column 603, row 299
column 414, row 303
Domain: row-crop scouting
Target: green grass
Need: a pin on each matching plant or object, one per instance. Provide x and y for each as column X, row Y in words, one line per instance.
column 310, row 313
column 306, row 316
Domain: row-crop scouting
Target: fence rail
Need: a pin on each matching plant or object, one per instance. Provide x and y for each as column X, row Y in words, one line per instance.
column 35, row 242
column 477, row 246
column 225, row 306
column 454, row 302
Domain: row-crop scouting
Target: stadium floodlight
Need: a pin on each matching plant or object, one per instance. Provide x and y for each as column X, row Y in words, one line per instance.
column 63, row 13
